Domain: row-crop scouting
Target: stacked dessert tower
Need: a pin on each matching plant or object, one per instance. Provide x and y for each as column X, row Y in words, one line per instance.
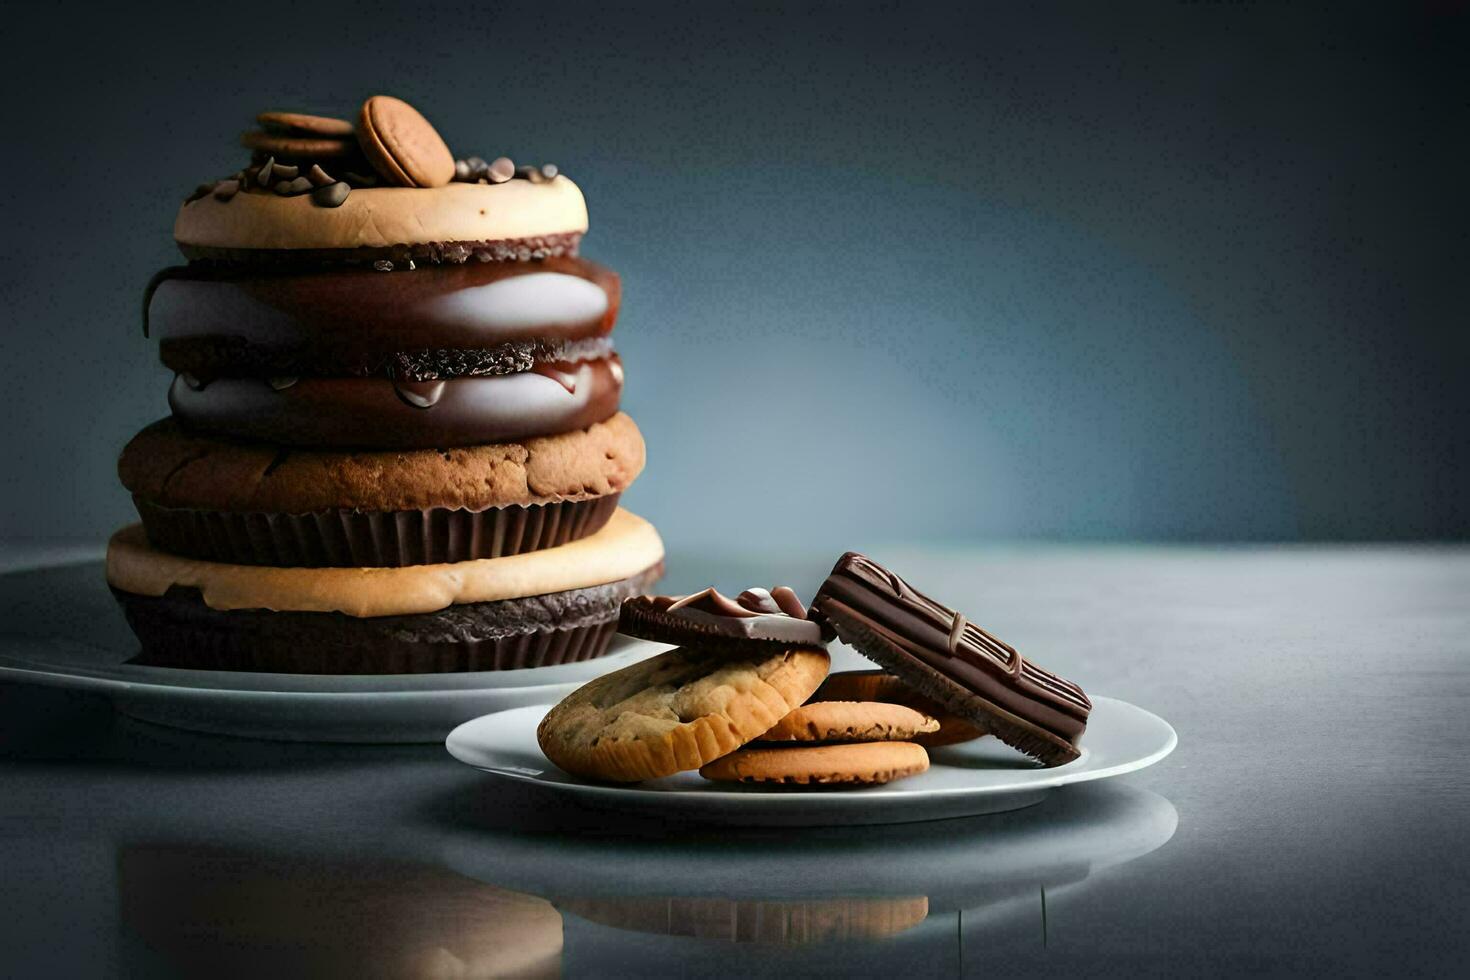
column 395, row 443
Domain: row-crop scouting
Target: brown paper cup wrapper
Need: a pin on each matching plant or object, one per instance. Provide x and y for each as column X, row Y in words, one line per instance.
column 179, row 630
column 366, row 539
column 213, row 650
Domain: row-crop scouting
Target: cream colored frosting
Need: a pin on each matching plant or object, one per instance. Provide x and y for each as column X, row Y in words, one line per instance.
column 625, row 546
column 377, row 217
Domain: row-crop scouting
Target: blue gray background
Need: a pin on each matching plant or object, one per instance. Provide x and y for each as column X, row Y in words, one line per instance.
column 1151, row 271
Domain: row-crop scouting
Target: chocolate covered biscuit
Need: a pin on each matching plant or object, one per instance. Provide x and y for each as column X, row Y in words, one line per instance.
column 940, row 653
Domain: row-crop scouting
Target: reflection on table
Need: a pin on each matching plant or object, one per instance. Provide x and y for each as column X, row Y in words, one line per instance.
column 213, row 912
column 613, row 900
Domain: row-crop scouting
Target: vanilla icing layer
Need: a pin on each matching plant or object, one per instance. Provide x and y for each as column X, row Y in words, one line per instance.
column 378, row 217
column 624, row 547
column 523, row 303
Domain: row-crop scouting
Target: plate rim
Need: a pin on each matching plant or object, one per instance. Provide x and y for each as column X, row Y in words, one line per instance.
column 27, row 671
column 634, row 794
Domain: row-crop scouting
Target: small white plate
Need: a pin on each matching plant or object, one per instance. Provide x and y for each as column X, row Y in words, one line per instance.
column 977, row 777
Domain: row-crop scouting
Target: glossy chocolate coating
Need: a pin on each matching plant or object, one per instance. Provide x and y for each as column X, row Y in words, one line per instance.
column 920, row 639
column 380, row 413
column 343, row 318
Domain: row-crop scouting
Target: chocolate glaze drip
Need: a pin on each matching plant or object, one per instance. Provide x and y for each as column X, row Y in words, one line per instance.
column 384, row 414
column 561, row 372
column 419, row 394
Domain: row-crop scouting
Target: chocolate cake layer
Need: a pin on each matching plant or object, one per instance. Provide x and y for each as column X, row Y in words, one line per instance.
column 358, row 539
column 389, row 258
column 941, row 654
column 352, row 321
column 384, row 413
column 179, row 630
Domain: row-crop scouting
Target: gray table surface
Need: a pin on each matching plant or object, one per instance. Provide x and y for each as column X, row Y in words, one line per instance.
column 1313, row 818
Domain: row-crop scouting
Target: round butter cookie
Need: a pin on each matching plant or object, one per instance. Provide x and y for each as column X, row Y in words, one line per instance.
column 879, row 685
column 247, row 503
column 859, row 764
column 851, row 721
column 676, row 711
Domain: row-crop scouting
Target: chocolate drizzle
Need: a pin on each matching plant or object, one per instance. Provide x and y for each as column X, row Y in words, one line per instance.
column 419, row 394
column 563, row 373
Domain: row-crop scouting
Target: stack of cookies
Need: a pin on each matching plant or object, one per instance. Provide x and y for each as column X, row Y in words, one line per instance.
column 395, row 442
column 746, row 696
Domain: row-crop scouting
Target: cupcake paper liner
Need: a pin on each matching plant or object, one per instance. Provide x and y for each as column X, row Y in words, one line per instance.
column 177, row 629
column 368, row 539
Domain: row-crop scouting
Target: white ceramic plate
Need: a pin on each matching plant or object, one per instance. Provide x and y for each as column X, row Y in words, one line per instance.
column 300, row 707
column 977, row 777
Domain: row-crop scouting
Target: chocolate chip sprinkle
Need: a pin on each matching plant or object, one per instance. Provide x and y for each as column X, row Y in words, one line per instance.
column 318, row 176
column 549, row 171
column 285, row 172
column 291, row 188
column 226, row 189
column 474, row 170
column 330, row 195
column 501, row 170
column 533, row 174
column 263, row 175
